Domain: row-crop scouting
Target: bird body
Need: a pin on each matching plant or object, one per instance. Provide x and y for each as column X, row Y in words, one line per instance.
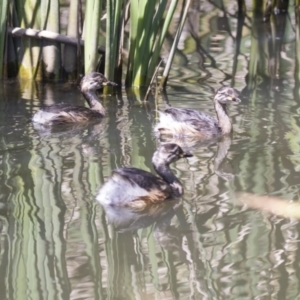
column 137, row 183
column 135, row 187
column 66, row 113
column 181, row 122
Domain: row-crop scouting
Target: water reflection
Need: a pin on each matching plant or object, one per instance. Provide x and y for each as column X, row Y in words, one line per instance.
column 57, row 242
column 56, row 236
column 222, row 169
column 178, row 249
column 125, row 219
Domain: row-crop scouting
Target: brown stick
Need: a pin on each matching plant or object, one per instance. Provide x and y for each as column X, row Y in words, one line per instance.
column 48, row 35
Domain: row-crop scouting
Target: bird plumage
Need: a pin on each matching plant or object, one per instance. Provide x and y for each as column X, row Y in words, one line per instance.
column 183, row 122
column 67, row 113
column 135, row 187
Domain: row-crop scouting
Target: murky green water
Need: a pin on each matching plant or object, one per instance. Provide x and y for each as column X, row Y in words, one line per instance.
column 56, row 241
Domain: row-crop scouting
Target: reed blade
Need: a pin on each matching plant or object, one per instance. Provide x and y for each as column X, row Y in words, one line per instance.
column 91, row 36
column 113, row 38
column 3, row 16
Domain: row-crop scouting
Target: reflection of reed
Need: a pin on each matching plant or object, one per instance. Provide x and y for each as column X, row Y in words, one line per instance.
column 173, row 247
column 77, row 193
column 267, row 42
column 44, row 208
column 123, row 123
column 35, row 231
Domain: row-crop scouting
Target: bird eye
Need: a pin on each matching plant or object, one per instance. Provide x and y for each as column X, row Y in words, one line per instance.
column 179, row 152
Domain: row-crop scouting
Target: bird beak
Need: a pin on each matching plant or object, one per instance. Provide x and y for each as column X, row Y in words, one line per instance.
column 110, row 83
column 186, row 154
column 236, row 99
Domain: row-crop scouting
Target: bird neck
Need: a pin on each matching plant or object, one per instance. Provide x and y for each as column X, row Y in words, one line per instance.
column 224, row 121
column 94, row 102
column 164, row 171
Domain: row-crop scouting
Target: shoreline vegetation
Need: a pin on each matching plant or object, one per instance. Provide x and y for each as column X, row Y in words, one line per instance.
column 33, row 46
column 123, row 39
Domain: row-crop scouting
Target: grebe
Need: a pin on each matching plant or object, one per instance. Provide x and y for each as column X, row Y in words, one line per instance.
column 181, row 122
column 137, row 188
column 66, row 113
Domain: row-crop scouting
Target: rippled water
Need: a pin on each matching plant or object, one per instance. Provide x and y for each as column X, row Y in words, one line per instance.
column 57, row 242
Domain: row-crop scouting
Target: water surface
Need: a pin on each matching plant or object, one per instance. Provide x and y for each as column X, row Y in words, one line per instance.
column 57, row 242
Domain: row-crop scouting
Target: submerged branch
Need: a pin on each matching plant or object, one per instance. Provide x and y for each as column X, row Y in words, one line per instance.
column 270, row 204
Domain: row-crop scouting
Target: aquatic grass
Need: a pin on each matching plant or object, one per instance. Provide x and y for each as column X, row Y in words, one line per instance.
column 29, row 16
column 149, row 25
column 148, row 29
column 166, row 72
column 113, row 59
column 297, row 37
column 42, row 59
column 258, row 6
column 241, row 20
column 259, row 50
column 93, row 13
column 3, row 19
column 157, row 46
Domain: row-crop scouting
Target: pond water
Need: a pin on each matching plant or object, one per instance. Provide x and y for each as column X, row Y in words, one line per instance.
column 57, row 242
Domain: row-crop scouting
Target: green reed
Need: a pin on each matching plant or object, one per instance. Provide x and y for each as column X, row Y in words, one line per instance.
column 175, row 43
column 28, row 15
column 3, row 16
column 148, row 29
column 148, row 21
column 114, row 38
column 91, row 34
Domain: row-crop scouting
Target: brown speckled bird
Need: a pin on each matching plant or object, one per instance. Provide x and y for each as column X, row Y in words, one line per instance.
column 66, row 113
column 137, row 188
column 183, row 122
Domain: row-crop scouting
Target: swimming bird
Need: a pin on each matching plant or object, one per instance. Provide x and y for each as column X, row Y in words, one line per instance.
column 181, row 122
column 137, row 188
column 66, row 113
